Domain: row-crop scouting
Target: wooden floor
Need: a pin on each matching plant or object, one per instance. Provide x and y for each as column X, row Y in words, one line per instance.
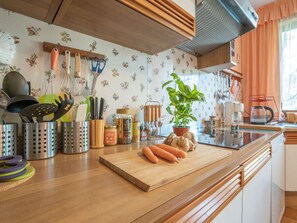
column 290, row 215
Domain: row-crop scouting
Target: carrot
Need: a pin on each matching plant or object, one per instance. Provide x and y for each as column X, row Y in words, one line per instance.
column 149, row 154
column 174, row 151
column 163, row 154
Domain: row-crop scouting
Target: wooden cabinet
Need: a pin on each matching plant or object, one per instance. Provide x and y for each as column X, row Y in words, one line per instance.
column 150, row 26
column 257, row 189
column 208, row 205
column 218, row 59
column 291, row 164
column 232, row 213
column 44, row 10
column 237, row 56
column 278, row 179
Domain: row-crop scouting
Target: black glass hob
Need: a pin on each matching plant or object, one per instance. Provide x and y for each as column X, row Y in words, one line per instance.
column 227, row 138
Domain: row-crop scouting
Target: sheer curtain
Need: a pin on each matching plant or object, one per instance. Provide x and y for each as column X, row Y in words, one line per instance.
column 288, row 62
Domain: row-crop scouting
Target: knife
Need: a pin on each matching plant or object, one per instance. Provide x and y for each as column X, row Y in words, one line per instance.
column 101, row 108
column 92, row 117
column 96, row 108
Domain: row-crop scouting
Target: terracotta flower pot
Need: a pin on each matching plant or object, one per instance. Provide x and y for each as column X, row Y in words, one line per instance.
column 179, row 131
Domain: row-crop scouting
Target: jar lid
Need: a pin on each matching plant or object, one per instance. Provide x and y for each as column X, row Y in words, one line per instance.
column 123, row 111
column 110, row 127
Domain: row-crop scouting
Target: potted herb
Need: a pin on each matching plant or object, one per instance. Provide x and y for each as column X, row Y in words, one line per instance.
column 181, row 98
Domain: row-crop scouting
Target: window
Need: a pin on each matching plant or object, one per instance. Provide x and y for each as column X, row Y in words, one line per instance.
column 288, row 62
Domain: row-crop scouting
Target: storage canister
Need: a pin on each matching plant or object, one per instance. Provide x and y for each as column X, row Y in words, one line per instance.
column 39, row 140
column 75, row 137
column 110, row 135
column 124, row 125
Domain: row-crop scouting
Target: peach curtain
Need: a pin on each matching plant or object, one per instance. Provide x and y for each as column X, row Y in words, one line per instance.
column 260, row 52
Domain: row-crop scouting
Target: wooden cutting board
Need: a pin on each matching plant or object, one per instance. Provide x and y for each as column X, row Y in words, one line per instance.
column 133, row 166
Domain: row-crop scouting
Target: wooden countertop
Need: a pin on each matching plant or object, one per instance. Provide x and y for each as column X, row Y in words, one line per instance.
column 77, row 188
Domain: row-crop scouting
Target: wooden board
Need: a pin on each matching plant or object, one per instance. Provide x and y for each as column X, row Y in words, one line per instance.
column 134, row 167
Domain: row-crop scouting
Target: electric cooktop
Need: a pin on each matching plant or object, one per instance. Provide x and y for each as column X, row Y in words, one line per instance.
column 227, row 138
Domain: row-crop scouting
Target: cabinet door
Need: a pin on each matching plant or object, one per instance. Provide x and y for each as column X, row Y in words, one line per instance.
column 232, row 213
column 237, row 56
column 278, row 179
column 256, row 197
column 44, row 10
column 291, row 167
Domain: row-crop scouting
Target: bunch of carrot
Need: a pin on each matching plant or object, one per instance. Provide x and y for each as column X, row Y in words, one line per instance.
column 164, row 151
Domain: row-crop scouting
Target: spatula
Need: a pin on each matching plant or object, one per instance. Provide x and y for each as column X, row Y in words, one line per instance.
column 38, row 111
column 81, row 113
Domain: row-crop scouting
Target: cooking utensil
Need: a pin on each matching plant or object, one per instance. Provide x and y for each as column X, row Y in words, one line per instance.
column 86, row 91
column 92, row 107
column 77, row 66
column 38, row 111
column 15, row 84
column 96, row 108
column 134, row 167
column 97, row 68
column 64, row 105
column 101, row 108
column 18, row 103
column 66, row 81
column 81, row 113
column 54, row 59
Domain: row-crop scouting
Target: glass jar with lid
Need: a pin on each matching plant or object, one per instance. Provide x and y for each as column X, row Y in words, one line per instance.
column 124, row 125
column 110, row 135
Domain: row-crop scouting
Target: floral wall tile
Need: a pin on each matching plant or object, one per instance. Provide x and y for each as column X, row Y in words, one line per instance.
column 129, row 79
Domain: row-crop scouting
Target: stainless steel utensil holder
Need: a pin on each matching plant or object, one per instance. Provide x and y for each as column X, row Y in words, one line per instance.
column 39, row 140
column 8, row 139
column 75, row 137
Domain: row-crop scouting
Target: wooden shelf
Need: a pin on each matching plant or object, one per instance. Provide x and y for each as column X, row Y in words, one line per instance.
column 47, row 47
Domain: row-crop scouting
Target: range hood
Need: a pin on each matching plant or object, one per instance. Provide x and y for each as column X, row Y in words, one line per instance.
column 218, row 22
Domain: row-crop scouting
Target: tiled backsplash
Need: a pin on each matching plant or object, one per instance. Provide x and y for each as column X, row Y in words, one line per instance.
column 130, row 77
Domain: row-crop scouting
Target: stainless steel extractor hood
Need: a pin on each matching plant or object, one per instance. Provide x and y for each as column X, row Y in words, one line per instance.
column 218, row 22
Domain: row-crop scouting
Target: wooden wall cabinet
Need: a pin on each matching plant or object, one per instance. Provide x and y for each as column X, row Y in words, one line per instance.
column 150, row 26
column 44, row 10
column 218, row 59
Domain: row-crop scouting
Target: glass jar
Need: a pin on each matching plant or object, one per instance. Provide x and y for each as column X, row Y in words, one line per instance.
column 124, row 126
column 110, row 135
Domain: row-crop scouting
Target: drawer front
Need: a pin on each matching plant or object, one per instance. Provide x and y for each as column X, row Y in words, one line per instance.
column 167, row 13
column 252, row 166
column 209, row 204
column 291, row 137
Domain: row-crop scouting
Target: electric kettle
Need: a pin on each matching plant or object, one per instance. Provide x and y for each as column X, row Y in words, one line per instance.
column 260, row 116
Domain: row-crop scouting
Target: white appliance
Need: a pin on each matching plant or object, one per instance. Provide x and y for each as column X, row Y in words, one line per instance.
column 233, row 112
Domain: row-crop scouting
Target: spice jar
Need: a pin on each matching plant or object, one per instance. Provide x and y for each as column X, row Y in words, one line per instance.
column 135, row 131
column 110, row 135
column 124, row 126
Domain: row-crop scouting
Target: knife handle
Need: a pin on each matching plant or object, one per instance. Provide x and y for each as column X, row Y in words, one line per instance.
column 92, row 117
column 101, row 108
column 96, row 108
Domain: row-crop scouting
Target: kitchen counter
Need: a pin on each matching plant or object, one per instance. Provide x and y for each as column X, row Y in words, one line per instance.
column 77, row 188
